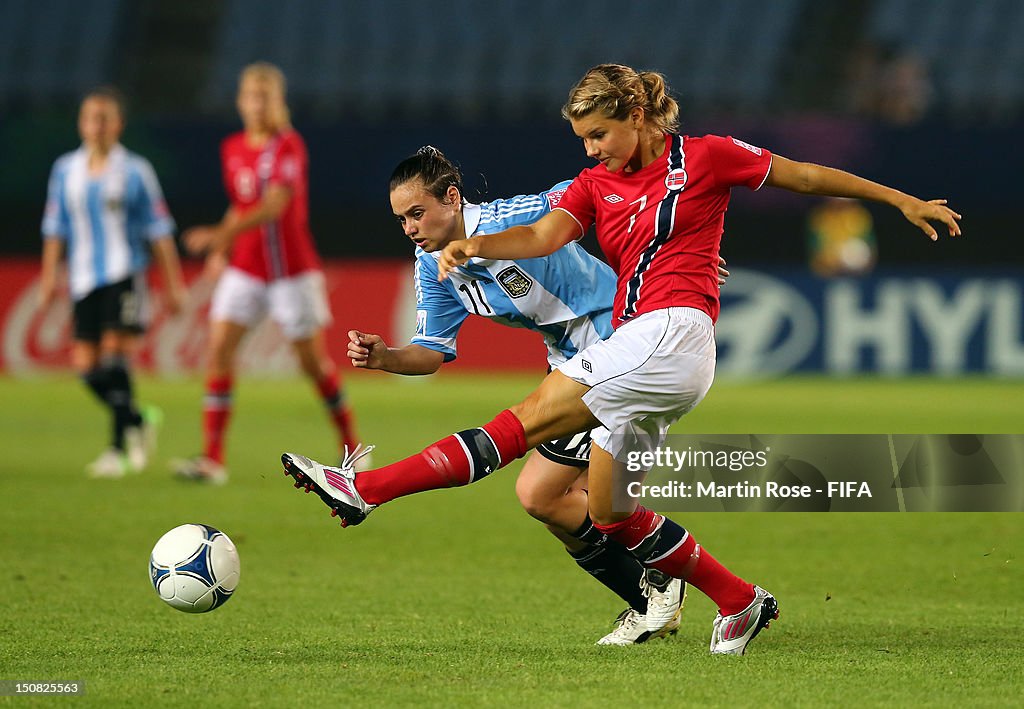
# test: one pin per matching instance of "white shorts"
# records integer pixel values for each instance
(297, 304)
(645, 377)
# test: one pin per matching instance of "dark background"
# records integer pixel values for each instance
(926, 96)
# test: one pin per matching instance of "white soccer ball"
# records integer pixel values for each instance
(194, 568)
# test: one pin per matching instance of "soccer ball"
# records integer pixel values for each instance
(194, 568)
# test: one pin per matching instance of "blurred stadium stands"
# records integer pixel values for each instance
(517, 53)
(974, 49)
(349, 57)
(924, 94)
(54, 49)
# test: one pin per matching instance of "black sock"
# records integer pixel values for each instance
(120, 399)
(610, 563)
(98, 383)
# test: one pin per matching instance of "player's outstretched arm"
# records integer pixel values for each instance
(809, 178)
(369, 351)
(208, 238)
(211, 238)
(545, 236)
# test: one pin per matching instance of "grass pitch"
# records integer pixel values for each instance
(457, 598)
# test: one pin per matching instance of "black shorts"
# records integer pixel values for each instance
(572, 450)
(120, 307)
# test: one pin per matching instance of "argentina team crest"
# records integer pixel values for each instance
(675, 180)
(514, 282)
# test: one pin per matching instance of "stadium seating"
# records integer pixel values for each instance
(515, 57)
(973, 49)
(56, 48)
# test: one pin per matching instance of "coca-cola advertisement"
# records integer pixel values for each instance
(373, 296)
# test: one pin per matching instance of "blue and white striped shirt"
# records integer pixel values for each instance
(108, 220)
(566, 296)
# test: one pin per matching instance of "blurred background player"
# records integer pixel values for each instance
(566, 297)
(841, 238)
(105, 210)
(263, 253)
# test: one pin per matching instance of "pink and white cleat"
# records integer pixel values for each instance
(731, 634)
(335, 486)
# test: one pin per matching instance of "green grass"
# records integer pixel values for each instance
(457, 598)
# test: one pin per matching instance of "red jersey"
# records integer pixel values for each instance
(660, 227)
(283, 247)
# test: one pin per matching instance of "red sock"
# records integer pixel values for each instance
(333, 396)
(459, 459)
(730, 592)
(216, 413)
(669, 548)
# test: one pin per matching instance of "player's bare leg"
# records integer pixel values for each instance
(554, 409)
(555, 495)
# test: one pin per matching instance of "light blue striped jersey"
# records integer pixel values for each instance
(566, 296)
(107, 220)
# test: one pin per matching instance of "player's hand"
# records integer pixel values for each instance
(722, 273)
(366, 350)
(215, 264)
(174, 299)
(921, 214)
(200, 239)
(454, 255)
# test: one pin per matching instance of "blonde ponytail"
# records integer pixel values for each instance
(614, 90)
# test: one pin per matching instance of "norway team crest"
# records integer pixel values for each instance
(514, 282)
(675, 180)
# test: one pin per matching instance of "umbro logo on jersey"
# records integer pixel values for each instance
(587, 366)
(614, 199)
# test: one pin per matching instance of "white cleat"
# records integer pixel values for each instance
(665, 599)
(111, 464)
(631, 629)
(335, 486)
(200, 469)
(731, 634)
